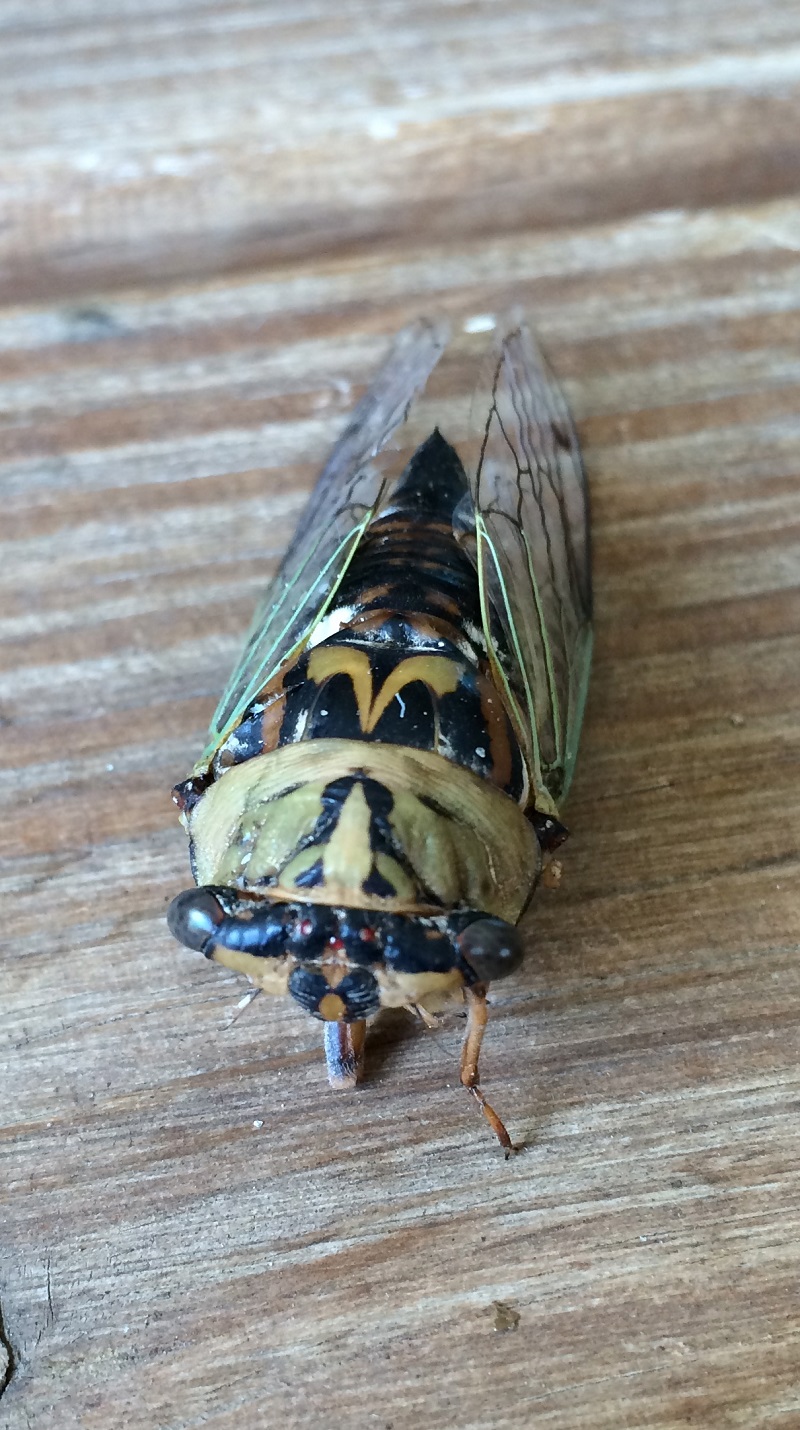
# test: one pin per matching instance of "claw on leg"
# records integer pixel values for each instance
(344, 1052)
(429, 1019)
(477, 1018)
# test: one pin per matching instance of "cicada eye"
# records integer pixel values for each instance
(193, 918)
(492, 948)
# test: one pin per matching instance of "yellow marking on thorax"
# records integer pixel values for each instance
(470, 842)
(438, 672)
(347, 856)
(327, 661)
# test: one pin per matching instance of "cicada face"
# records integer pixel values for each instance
(343, 964)
(386, 766)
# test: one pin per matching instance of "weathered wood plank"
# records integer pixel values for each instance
(214, 218)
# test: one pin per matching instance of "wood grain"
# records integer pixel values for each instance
(214, 217)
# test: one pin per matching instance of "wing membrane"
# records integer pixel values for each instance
(348, 492)
(533, 556)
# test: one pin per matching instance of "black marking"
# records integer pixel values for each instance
(360, 993)
(189, 792)
(384, 841)
(311, 877)
(377, 885)
(550, 832)
(360, 930)
(410, 719)
(325, 711)
(308, 987)
(243, 743)
(433, 804)
(313, 927)
(434, 482)
(412, 947)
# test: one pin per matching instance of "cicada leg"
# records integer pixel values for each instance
(344, 1052)
(477, 1018)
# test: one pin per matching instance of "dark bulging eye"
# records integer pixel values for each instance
(194, 918)
(204, 918)
(492, 948)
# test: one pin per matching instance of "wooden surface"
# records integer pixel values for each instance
(213, 216)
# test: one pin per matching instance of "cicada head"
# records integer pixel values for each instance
(343, 964)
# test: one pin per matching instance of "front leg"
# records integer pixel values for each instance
(477, 1018)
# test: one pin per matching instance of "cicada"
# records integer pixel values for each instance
(386, 769)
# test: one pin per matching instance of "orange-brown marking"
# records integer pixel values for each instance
(331, 1007)
(271, 722)
(495, 719)
(334, 964)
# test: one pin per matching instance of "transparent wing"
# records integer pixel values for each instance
(350, 489)
(533, 556)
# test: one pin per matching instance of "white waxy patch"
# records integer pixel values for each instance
(330, 625)
(401, 702)
(444, 747)
(300, 727)
(480, 752)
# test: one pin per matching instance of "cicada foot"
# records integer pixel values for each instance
(429, 1019)
(477, 1018)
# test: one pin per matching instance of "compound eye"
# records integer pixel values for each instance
(193, 918)
(492, 948)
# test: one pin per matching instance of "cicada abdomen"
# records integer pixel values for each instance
(389, 759)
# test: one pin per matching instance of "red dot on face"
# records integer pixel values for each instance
(305, 928)
(336, 943)
(367, 935)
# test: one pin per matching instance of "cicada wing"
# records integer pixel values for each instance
(350, 489)
(533, 556)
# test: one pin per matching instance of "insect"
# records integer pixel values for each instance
(386, 768)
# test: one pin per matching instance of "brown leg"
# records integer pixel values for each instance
(344, 1052)
(477, 1018)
